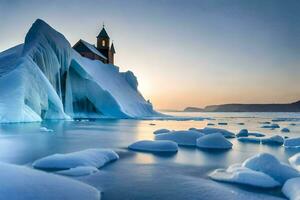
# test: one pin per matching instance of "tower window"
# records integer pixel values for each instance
(103, 43)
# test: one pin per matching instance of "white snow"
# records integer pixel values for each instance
(22, 183)
(271, 166)
(213, 141)
(242, 175)
(78, 171)
(184, 138)
(292, 142)
(159, 131)
(46, 79)
(274, 140)
(291, 189)
(209, 130)
(45, 129)
(89, 157)
(154, 146)
(295, 161)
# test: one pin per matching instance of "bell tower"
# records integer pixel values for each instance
(103, 42)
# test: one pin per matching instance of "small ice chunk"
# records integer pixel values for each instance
(79, 171)
(292, 142)
(291, 189)
(242, 175)
(256, 134)
(293, 124)
(242, 133)
(44, 129)
(272, 126)
(154, 146)
(274, 140)
(285, 130)
(159, 131)
(295, 161)
(223, 123)
(241, 123)
(271, 166)
(89, 157)
(209, 130)
(19, 182)
(184, 138)
(249, 139)
(213, 141)
(210, 124)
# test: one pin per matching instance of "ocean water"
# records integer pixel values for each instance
(140, 175)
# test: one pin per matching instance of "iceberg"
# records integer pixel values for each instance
(44, 78)
(213, 141)
(154, 146)
(79, 171)
(291, 189)
(295, 161)
(184, 138)
(242, 175)
(271, 166)
(22, 183)
(209, 130)
(274, 140)
(89, 157)
(285, 130)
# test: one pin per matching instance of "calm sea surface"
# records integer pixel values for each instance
(144, 175)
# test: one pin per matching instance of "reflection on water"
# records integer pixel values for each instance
(24, 143)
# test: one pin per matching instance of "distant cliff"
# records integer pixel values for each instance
(292, 107)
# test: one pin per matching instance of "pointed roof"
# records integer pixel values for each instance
(103, 34)
(112, 48)
(92, 48)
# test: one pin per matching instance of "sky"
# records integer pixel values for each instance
(184, 53)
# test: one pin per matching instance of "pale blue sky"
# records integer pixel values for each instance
(184, 53)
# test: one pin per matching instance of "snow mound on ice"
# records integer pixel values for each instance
(159, 131)
(209, 130)
(242, 175)
(274, 140)
(292, 142)
(18, 182)
(79, 171)
(184, 138)
(271, 166)
(295, 161)
(89, 157)
(46, 79)
(213, 141)
(291, 189)
(154, 146)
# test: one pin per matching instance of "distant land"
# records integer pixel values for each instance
(290, 107)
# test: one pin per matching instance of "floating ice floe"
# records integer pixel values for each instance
(271, 166)
(159, 131)
(44, 129)
(292, 142)
(293, 124)
(256, 134)
(213, 141)
(265, 122)
(242, 133)
(291, 189)
(89, 157)
(79, 171)
(271, 126)
(287, 119)
(241, 123)
(154, 146)
(242, 175)
(273, 140)
(295, 161)
(184, 138)
(209, 130)
(249, 139)
(222, 123)
(285, 130)
(22, 183)
(210, 124)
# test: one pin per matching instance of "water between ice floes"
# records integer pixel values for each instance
(144, 175)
